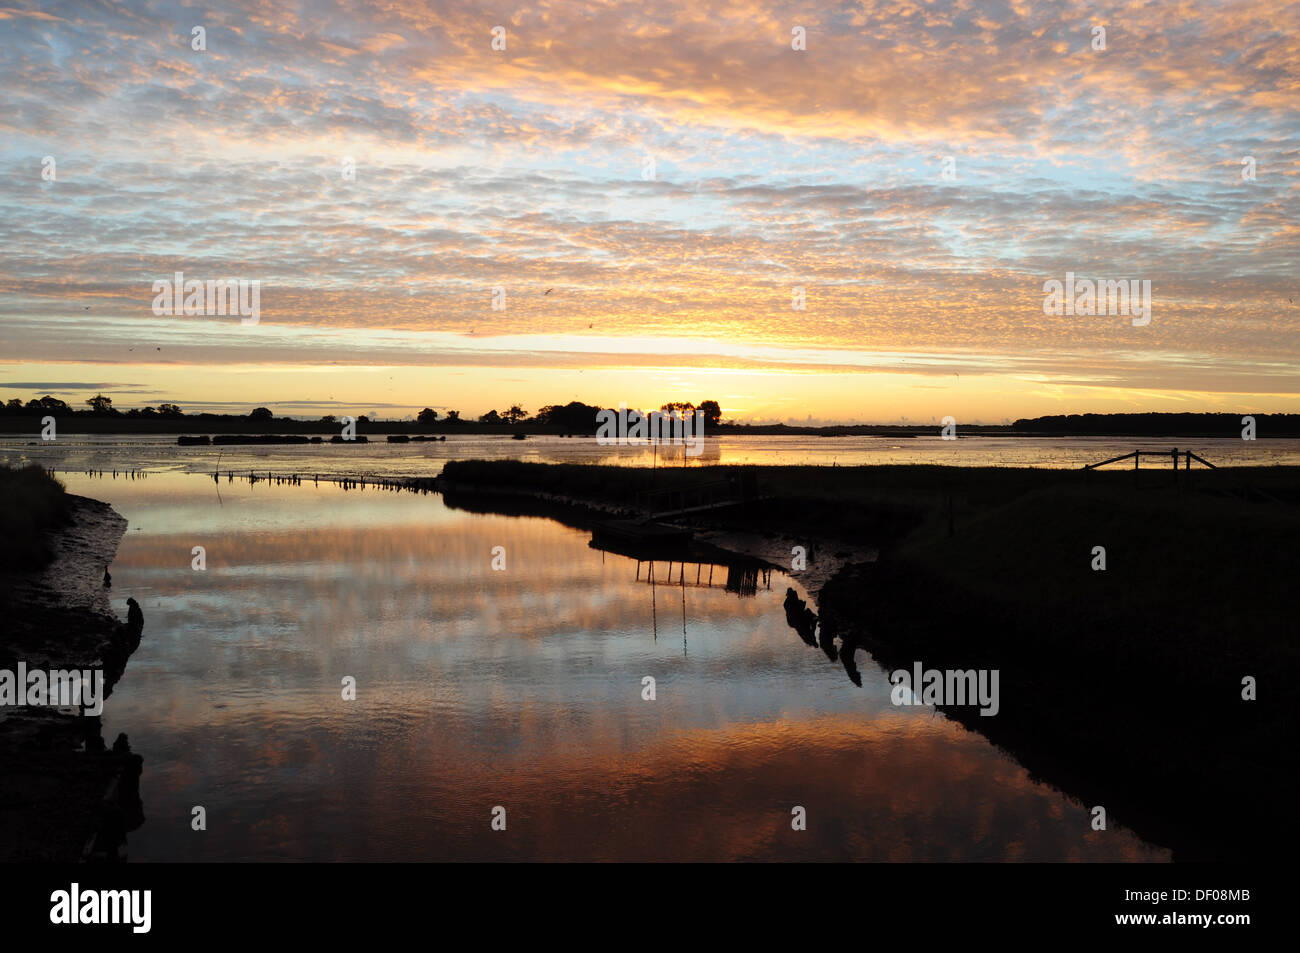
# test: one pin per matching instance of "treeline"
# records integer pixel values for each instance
(1162, 425)
(573, 417)
(97, 406)
(576, 417)
(101, 407)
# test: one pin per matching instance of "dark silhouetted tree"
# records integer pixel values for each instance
(48, 405)
(574, 416)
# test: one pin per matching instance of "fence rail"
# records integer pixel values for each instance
(1174, 454)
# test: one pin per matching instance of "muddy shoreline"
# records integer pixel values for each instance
(66, 795)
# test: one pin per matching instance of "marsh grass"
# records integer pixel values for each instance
(32, 503)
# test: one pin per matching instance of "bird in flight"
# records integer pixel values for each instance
(547, 291)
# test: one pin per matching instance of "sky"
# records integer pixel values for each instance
(644, 190)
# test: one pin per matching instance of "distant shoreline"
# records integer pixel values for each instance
(1269, 427)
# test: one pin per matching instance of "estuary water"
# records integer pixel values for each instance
(520, 688)
(379, 459)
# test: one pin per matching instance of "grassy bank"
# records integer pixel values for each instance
(32, 504)
(882, 504)
(837, 502)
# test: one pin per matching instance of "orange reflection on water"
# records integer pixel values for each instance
(520, 688)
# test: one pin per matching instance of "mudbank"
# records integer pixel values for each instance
(65, 794)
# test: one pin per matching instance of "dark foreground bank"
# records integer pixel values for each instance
(65, 794)
(1142, 623)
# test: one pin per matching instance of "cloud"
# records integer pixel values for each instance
(61, 385)
(772, 169)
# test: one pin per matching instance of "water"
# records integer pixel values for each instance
(380, 459)
(519, 688)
